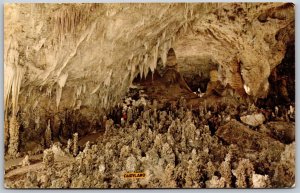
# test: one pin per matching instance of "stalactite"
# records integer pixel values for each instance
(154, 56)
(8, 81)
(164, 51)
(146, 69)
(16, 89)
(62, 80)
(67, 18)
(58, 96)
(141, 70)
(61, 83)
(132, 72)
(145, 63)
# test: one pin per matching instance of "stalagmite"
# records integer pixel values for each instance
(244, 173)
(48, 136)
(25, 161)
(215, 182)
(75, 144)
(260, 181)
(48, 158)
(6, 133)
(69, 144)
(225, 170)
(13, 145)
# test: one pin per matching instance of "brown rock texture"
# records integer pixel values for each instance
(283, 131)
(235, 132)
(254, 120)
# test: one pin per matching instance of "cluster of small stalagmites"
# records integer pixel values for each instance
(48, 158)
(285, 169)
(172, 145)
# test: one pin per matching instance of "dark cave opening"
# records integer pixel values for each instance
(196, 82)
(282, 81)
(199, 78)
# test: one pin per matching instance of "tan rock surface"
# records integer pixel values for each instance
(235, 132)
(254, 120)
(53, 50)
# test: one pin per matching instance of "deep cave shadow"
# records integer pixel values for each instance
(282, 82)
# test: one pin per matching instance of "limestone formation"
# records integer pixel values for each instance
(25, 161)
(75, 144)
(189, 95)
(48, 158)
(236, 133)
(260, 181)
(283, 131)
(254, 119)
(48, 136)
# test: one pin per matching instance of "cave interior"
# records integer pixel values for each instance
(209, 106)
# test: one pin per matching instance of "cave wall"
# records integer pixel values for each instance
(235, 37)
(83, 57)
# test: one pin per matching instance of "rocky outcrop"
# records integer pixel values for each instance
(254, 120)
(283, 131)
(236, 133)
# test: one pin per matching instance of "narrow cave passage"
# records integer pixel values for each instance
(197, 83)
(166, 82)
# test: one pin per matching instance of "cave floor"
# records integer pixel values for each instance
(218, 129)
(164, 118)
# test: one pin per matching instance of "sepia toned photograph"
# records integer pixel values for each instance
(149, 95)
